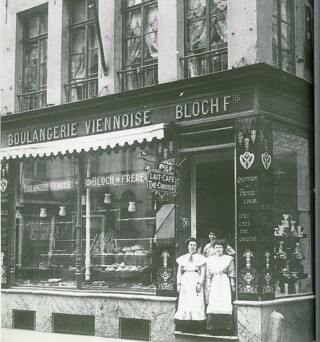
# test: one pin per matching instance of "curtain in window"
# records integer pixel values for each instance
(197, 27)
(218, 22)
(152, 33)
(78, 54)
(199, 17)
(134, 38)
(31, 67)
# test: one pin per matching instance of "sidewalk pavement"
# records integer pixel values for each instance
(20, 335)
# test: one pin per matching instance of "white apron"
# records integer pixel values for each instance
(220, 299)
(191, 305)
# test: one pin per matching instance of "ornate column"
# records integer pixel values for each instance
(254, 190)
(5, 222)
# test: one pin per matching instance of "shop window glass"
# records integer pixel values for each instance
(83, 70)
(34, 61)
(140, 68)
(119, 221)
(206, 37)
(283, 35)
(292, 214)
(45, 230)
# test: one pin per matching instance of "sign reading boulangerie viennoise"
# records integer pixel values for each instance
(196, 108)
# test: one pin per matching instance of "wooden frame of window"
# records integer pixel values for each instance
(211, 56)
(144, 71)
(35, 95)
(84, 85)
(283, 43)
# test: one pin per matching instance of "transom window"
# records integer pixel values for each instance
(83, 69)
(283, 35)
(140, 48)
(35, 38)
(205, 37)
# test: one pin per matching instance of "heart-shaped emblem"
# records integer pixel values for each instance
(4, 184)
(266, 160)
(246, 159)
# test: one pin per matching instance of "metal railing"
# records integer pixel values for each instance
(81, 90)
(204, 63)
(138, 77)
(32, 100)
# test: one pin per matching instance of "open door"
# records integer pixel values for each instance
(213, 195)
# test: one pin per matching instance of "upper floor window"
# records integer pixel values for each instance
(205, 37)
(308, 39)
(140, 58)
(283, 35)
(83, 67)
(35, 39)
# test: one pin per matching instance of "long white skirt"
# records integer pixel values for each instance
(220, 300)
(191, 305)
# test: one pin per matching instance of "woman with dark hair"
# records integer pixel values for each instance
(191, 273)
(209, 250)
(220, 285)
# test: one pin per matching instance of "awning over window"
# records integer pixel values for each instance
(165, 223)
(86, 143)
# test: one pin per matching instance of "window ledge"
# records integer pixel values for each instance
(89, 294)
(282, 300)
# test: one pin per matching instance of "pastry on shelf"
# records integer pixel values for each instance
(136, 247)
(117, 250)
(140, 252)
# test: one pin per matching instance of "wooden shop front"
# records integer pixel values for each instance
(98, 198)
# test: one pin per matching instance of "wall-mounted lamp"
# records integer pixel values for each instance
(107, 198)
(132, 207)
(62, 211)
(43, 212)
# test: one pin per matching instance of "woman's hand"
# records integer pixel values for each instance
(233, 288)
(198, 287)
(178, 287)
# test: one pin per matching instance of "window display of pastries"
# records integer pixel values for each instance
(122, 267)
(136, 247)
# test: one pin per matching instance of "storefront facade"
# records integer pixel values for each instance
(96, 209)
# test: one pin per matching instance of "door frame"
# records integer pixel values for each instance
(195, 160)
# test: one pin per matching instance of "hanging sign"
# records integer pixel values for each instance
(161, 182)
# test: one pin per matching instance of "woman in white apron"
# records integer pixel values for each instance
(220, 286)
(191, 273)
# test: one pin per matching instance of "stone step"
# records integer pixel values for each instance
(188, 337)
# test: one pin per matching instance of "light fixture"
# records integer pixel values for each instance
(43, 212)
(132, 207)
(83, 199)
(107, 198)
(62, 211)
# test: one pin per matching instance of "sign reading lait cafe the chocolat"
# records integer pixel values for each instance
(195, 108)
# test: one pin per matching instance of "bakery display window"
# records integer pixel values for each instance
(45, 237)
(118, 221)
(292, 214)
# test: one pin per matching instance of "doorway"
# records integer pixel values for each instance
(213, 195)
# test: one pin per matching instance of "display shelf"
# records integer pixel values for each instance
(57, 254)
(288, 257)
